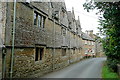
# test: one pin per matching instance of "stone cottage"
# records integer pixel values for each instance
(45, 40)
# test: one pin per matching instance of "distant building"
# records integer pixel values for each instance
(98, 49)
(89, 44)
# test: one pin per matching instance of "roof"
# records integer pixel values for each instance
(87, 37)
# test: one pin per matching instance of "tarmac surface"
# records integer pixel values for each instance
(89, 68)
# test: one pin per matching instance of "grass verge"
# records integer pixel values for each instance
(108, 73)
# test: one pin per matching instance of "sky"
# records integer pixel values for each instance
(89, 21)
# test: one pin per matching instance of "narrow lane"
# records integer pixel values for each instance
(89, 68)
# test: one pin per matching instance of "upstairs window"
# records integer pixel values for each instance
(89, 42)
(85, 42)
(43, 22)
(63, 12)
(39, 20)
(63, 32)
(35, 18)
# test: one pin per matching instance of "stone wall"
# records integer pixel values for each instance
(2, 22)
(2, 31)
(26, 66)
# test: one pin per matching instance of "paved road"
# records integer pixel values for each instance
(89, 68)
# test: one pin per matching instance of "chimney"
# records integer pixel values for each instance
(73, 10)
(91, 31)
(78, 18)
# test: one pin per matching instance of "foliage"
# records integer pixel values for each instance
(110, 27)
(108, 73)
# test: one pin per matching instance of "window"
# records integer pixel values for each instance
(63, 52)
(74, 51)
(79, 50)
(63, 32)
(74, 36)
(86, 50)
(89, 42)
(39, 20)
(56, 15)
(43, 22)
(63, 12)
(93, 51)
(35, 19)
(85, 42)
(39, 54)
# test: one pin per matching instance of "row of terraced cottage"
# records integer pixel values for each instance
(47, 38)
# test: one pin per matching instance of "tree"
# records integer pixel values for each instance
(110, 27)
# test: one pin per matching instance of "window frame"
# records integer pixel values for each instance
(64, 50)
(40, 20)
(39, 52)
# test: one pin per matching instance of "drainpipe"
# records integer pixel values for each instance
(69, 46)
(3, 61)
(13, 39)
(53, 42)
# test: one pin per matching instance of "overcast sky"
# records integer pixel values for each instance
(89, 21)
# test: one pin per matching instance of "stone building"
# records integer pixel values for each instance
(88, 45)
(47, 38)
(98, 49)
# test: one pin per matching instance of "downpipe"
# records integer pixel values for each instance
(13, 41)
(3, 62)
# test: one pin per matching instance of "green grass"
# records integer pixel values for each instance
(108, 73)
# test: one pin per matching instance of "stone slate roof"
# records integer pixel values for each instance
(87, 37)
